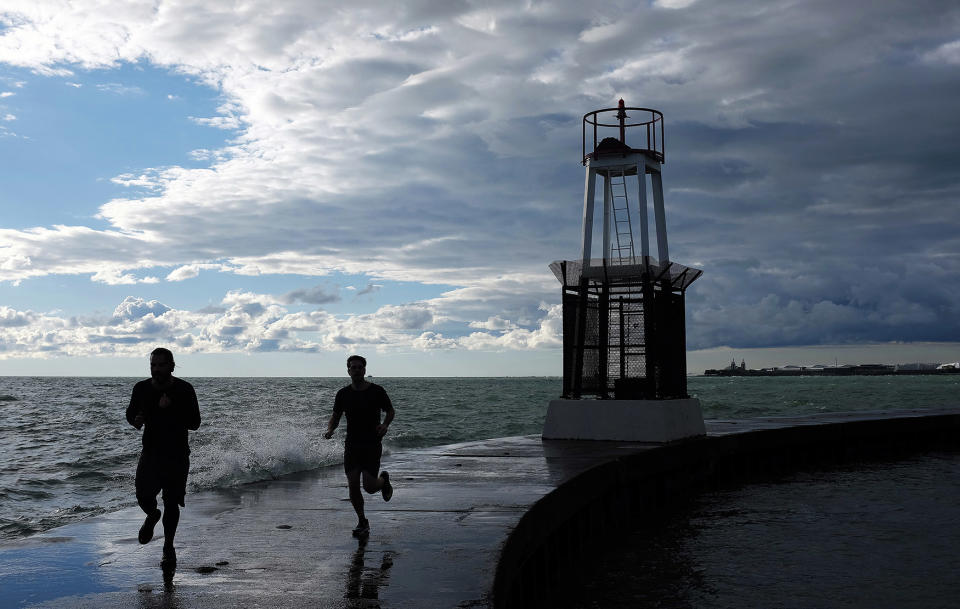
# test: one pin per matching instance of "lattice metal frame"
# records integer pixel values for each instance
(624, 332)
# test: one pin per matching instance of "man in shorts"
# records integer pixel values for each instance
(166, 408)
(362, 402)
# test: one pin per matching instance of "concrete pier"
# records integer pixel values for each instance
(497, 523)
(657, 421)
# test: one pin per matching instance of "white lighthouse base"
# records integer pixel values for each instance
(624, 420)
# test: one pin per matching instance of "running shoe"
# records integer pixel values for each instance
(387, 490)
(146, 531)
(362, 528)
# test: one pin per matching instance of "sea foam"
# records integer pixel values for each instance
(263, 452)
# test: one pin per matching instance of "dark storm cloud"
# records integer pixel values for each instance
(811, 159)
(837, 221)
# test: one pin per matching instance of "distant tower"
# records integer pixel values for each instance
(623, 311)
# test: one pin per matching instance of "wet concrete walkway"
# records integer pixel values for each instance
(287, 543)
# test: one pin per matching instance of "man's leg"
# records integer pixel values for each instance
(356, 497)
(148, 504)
(171, 517)
(147, 486)
(371, 483)
(174, 491)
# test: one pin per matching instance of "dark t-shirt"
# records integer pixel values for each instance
(363, 411)
(165, 429)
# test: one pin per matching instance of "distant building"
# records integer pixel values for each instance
(732, 370)
(842, 370)
(916, 366)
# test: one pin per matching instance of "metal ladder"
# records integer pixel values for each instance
(622, 251)
(628, 321)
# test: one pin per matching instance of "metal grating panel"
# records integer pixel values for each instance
(624, 338)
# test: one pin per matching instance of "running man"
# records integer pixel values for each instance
(166, 408)
(362, 402)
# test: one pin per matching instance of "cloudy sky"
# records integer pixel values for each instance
(268, 186)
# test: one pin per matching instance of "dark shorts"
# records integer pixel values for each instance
(364, 456)
(167, 474)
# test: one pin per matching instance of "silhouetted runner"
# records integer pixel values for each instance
(362, 402)
(166, 407)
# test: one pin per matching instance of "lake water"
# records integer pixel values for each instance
(877, 535)
(67, 452)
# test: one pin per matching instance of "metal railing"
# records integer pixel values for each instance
(645, 126)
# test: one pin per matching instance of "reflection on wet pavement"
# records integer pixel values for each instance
(364, 583)
(167, 599)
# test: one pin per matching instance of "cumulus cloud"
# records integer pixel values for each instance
(549, 334)
(187, 271)
(493, 323)
(440, 145)
(433, 340)
(248, 322)
(11, 318)
(15, 262)
(134, 307)
(406, 317)
(502, 334)
(250, 303)
(116, 277)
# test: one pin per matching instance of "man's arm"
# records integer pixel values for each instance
(333, 423)
(134, 412)
(335, 417)
(192, 419)
(382, 427)
(386, 406)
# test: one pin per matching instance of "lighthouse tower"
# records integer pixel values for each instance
(624, 338)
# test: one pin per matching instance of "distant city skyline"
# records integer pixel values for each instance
(517, 363)
(267, 188)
